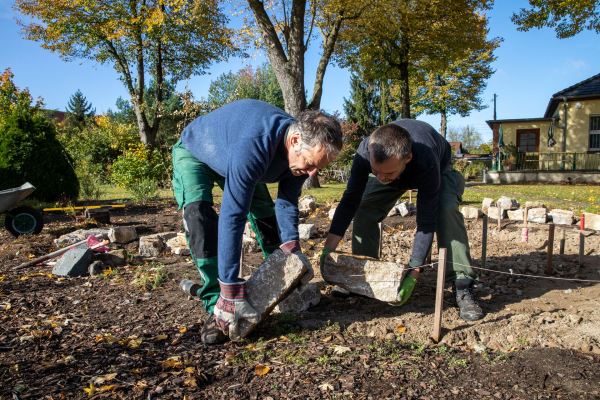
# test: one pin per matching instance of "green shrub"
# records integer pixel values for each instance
(30, 152)
(141, 163)
(144, 190)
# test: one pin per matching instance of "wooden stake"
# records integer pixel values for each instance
(550, 249)
(524, 230)
(499, 217)
(380, 238)
(410, 196)
(562, 242)
(484, 241)
(581, 240)
(439, 296)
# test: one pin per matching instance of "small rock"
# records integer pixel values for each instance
(339, 291)
(151, 246)
(519, 292)
(390, 336)
(486, 204)
(511, 339)
(307, 204)
(405, 208)
(178, 245)
(122, 234)
(575, 318)
(307, 231)
(96, 268)
(586, 348)
(479, 348)
(532, 268)
(568, 291)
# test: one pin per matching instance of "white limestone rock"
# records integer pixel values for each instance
(307, 231)
(562, 217)
(471, 212)
(486, 204)
(539, 215)
(307, 204)
(534, 204)
(151, 246)
(592, 221)
(406, 208)
(493, 212)
(81, 234)
(507, 203)
(178, 245)
(515, 215)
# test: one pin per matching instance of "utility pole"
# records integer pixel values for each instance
(495, 106)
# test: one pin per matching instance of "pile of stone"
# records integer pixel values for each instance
(508, 207)
(403, 208)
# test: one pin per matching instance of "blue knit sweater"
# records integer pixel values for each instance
(244, 142)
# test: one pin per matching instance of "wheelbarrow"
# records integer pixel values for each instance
(20, 220)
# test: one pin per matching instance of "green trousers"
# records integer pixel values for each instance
(378, 200)
(193, 183)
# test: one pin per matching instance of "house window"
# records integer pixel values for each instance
(528, 140)
(595, 132)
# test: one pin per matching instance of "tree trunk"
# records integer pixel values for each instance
(312, 183)
(443, 124)
(404, 84)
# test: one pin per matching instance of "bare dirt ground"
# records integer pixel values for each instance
(540, 337)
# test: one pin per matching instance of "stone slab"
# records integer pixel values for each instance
(300, 300)
(515, 215)
(507, 203)
(539, 215)
(81, 234)
(307, 231)
(74, 262)
(486, 203)
(331, 213)
(471, 212)
(272, 282)
(364, 275)
(562, 217)
(494, 211)
(534, 204)
(122, 234)
(592, 221)
(405, 208)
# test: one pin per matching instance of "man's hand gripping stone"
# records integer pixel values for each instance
(232, 307)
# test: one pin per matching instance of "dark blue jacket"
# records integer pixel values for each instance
(244, 142)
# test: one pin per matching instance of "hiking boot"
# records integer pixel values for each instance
(468, 308)
(211, 333)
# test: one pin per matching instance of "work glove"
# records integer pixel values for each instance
(406, 288)
(231, 307)
(324, 252)
(293, 247)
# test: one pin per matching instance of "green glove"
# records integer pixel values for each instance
(406, 288)
(324, 252)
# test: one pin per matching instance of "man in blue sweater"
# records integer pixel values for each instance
(241, 147)
(403, 155)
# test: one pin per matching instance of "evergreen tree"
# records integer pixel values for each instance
(79, 107)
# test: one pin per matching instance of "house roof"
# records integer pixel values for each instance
(456, 146)
(493, 121)
(586, 88)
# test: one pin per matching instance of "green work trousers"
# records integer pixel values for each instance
(378, 200)
(193, 183)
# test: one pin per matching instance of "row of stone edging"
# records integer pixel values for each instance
(508, 207)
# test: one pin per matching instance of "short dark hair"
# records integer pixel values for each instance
(319, 129)
(388, 141)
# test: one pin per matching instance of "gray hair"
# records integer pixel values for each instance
(390, 141)
(319, 130)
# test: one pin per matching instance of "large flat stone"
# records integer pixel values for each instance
(539, 215)
(272, 282)
(122, 234)
(486, 204)
(592, 221)
(300, 300)
(74, 262)
(471, 212)
(562, 217)
(515, 215)
(493, 212)
(364, 275)
(307, 231)
(507, 203)
(151, 246)
(534, 204)
(81, 234)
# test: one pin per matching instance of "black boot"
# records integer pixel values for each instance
(211, 333)
(468, 308)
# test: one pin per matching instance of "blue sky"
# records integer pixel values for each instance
(531, 66)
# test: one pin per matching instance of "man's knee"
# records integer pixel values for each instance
(201, 225)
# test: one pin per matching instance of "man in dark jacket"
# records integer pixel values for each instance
(403, 155)
(241, 147)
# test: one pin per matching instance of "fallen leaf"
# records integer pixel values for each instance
(104, 378)
(190, 382)
(111, 388)
(190, 370)
(327, 339)
(31, 256)
(230, 356)
(401, 328)
(172, 362)
(182, 329)
(88, 284)
(161, 337)
(261, 370)
(135, 343)
(285, 339)
(341, 350)
(325, 387)
(91, 390)
(14, 368)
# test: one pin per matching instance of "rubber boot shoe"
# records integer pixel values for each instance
(211, 333)
(468, 309)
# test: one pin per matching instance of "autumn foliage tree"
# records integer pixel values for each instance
(395, 38)
(165, 39)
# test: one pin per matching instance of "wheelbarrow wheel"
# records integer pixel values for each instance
(24, 220)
